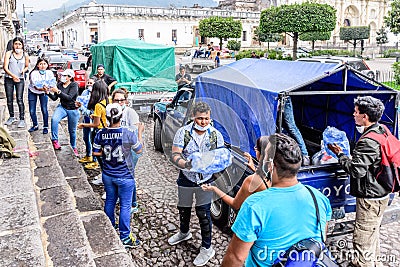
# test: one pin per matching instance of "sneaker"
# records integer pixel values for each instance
(98, 180)
(116, 227)
(76, 152)
(130, 241)
(56, 145)
(92, 166)
(134, 209)
(179, 237)
(104, 196)
(33, 128)
(21, 124)
(86, 159)
(10, 121)
(45, 130)
(204, 256)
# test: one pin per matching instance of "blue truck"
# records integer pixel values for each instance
(245, 97)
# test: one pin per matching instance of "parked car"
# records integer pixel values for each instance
(356, 63)
(53, 47)
(86, 49)
(47, 54)
(79, 68)
(56, 62)
(70, 52)
(231, 91)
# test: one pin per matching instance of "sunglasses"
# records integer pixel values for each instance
(119, 100)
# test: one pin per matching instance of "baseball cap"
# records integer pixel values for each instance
(68, 72)
(100, 66)
(111, 107)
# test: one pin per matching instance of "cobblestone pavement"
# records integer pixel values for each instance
(158, 218)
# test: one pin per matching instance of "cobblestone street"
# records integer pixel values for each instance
(158, 218)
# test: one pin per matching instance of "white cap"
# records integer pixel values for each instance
(113, 106)
(68, 72)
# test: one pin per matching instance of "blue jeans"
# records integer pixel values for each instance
(290, 125)
(73, 118)
(119, 187)
(87, 137)
(32, 99)
(9, 85)
(186, 189)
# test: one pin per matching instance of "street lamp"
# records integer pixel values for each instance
(24, 22)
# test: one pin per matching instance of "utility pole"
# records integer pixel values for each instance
(24, 22)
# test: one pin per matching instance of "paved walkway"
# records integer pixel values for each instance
(49, 215)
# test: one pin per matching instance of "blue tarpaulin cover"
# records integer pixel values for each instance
(244, 97)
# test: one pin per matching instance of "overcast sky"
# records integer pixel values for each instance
(39, 5)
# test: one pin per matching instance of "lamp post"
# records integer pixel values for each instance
(24, 29)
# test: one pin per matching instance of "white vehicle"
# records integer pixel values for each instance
(198, 65)
(53, 47)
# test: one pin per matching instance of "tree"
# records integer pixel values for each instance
(298, 18)
(353, 34)
(392, 20)
(381, 38)
(234, 45)
(220, 28)
(315, 36)
(260, 36)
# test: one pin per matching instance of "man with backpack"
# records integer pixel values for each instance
(363, 168)
(271, 221)
(197, 136)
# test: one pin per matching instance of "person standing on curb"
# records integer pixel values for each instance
(217, 60)
(16, 63)
(39, 77)
(371, 197)
(203, 138)
(67, 92)
(113, 144)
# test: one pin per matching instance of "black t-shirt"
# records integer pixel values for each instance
(106, 78)
(186, 76)
(67, 96)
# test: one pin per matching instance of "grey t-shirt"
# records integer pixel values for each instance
(129, 117)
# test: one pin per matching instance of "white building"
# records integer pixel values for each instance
(157, 25)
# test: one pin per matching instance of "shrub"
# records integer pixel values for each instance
(396, 70)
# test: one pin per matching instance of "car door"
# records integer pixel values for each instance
(175, 117)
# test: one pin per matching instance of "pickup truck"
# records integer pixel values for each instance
(244, 99)
(201, 64)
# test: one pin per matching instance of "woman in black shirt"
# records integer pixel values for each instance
(67, 92)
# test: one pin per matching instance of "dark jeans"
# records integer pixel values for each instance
(186, 189)
(99, 159)
(9, 86)
(32, 99)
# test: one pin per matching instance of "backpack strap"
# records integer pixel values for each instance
(316, 211)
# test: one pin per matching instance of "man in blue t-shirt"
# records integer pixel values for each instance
(271, 221)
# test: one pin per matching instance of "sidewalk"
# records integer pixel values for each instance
(49, 214)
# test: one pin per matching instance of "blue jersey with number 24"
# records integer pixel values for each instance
(116, 144)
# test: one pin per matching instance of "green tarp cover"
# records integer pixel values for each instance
(129, 60)
(150, 85)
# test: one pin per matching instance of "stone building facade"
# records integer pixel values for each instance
(9, 23)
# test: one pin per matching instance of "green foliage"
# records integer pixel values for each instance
(305, 17)
(381, 36)
(396, 70)
(393, 84)
(260, 36)
(220, 27)
(331, 52)
(234, 45)
(315, 36)
(272, 54)
(392, 20)
(390, 53)
(354, 33)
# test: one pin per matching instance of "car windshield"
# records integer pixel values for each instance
(59, 59)
(76, 65)
(69, 51)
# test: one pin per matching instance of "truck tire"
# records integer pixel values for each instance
(371, 74)
(204, 69)
(220, 211)
(157, 135)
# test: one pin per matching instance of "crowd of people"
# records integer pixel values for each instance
(113, 137)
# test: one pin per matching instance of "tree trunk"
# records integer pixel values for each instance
(295, 40)
(220, 44)
(312, 45)
(354, 47)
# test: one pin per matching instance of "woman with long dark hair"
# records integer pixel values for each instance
(251, 184)
(39, 78)
(16, 63)
(67, 92)
(97, 102)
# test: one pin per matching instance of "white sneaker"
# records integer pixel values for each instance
(179, 237)
(97, 180)
(204, 256)
(104, 196)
